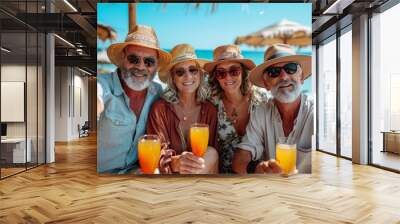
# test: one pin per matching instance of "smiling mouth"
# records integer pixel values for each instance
(139, 75)
(286, 86)
(229, 83)
(188, 83)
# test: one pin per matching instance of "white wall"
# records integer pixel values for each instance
(80, 84)
(69, 82)
(61, 103)
(33, 127)
(13, 73)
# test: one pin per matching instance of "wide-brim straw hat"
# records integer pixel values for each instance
(143, 36)
(280, 53)
(180, 53)
(228, 53)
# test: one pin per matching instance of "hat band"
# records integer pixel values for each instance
(278, 55)
(229, 55)
(184, 57)
(142, 39)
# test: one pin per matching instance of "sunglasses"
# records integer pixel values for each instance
(181, 71)
(290, 69)
(135, 60)
(233, 72)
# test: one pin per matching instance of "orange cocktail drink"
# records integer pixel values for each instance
(286, 157)
(199, 139)
(149, 150)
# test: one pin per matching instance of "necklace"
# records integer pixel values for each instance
(186, 114)
(234, 114)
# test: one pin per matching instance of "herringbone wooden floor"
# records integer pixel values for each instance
(70, 191)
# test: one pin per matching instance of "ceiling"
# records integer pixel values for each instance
(330, 15)
(72, 20)
(75, 21)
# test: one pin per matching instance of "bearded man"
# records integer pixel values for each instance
(125, 97)
(287, 115)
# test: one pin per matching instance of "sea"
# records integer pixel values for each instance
(256, 56)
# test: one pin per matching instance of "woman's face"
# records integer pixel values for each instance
(186, 76)
(229, 76)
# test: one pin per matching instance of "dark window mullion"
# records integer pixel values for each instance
(26, 87)
(317, 96)
(37, 90)
(369, 79)
(338, 97)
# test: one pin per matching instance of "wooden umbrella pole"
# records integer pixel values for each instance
(132, 16)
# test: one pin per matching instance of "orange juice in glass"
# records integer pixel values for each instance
(199, 139)
(149, 150)
(286, 157)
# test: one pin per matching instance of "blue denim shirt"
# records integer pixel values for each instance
(118, 128)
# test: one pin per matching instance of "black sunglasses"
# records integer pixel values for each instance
(233, 72)
(135, 60)
(290, 68)
(181, 71)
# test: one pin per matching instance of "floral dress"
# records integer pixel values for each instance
(227, 135)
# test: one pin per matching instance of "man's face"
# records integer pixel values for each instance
(140, 65)
(284, 80)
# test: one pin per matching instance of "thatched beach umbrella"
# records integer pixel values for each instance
(102, 58)
(285, 31)
(106, 33)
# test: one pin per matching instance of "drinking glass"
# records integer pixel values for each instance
(149, 150)
(199, 139)
(286, 156)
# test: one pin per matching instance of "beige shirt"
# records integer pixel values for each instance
(265, 128)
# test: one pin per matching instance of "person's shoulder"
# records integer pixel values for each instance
(160, 109)
(263, 108)
(160, 105)
(210, 106)
(259, 95)
(215, 100)
(308, 101)
(267, 103)
(104, 77)
(155, 88)
(106, 81)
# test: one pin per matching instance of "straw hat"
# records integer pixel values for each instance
(180, 53)
(229, 53)
(143, 36)
(280, 53)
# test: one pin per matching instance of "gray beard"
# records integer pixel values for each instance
(286, 96)
(130, 80)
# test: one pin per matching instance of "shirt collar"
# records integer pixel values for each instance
(118, 90)
(303, 98)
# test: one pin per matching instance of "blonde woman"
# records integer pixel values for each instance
(183, 104)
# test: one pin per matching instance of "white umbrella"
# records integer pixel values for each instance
(102, 58)
(285, 31)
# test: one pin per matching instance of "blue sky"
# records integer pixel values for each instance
(181, 23)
